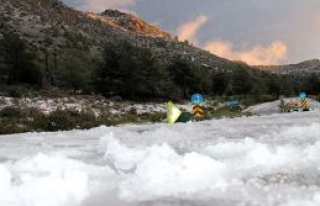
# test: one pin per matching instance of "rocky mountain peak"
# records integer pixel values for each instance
(133, 23)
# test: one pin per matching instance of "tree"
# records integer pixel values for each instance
(17, 63)
(75, 69)
(313, 85)
(241, 81)
(130, 72)
(107, 74)
(287, 85)
(183, 75)
(220, 82)
(151, 77)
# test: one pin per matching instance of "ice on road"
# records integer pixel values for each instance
(260, 160)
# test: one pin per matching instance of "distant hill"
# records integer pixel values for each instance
(301, 69)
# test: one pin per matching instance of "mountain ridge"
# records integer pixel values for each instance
(109, 52)
(304, 68)
(50, 26)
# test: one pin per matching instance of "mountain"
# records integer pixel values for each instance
(301, 69)
(107, 53)
(129, 22)
(50, 26)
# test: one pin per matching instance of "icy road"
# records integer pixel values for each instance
(261, 160)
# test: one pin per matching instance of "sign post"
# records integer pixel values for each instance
(197, 110)
(303, 101)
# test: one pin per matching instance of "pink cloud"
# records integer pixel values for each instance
(189, 30)
(257, 55)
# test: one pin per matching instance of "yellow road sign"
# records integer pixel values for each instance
(197, 111)
(304, 103)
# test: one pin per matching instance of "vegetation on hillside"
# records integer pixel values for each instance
(137, 74)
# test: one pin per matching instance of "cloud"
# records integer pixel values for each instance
(257, 55)
(101, 5)
(189, 30)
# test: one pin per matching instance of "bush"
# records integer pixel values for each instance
(17, 120)
(39, 122)
(12, 112)
(68, 119)
(16, 91)
(86, 120)
(105, 118)
(155, 117)
(61, 120)
(223, 112)
(11, 127)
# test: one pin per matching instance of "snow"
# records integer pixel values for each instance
(265, 160)
(273, 107)
(80, 103)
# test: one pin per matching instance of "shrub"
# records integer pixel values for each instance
(223, 112)
(16, 120)
(68, 119)
(133, 111)
(11, 127)
(16, 91)
(61, 120)
(12, 112)
(105, 118)
(39, 122)
(155, 116)
(86, 120)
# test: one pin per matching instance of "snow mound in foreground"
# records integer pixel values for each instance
(266, 160)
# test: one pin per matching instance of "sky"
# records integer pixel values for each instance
(254, 31)
(254, 161)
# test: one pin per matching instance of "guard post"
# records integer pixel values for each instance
(303, 101)
(197, 109)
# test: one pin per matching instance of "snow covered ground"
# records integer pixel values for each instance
(80, 103)
(249, 161)
(273, 107)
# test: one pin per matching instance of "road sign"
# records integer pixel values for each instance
(173, 113)
(302, 95)
(197, 112)
(304, 105)
(197, 99)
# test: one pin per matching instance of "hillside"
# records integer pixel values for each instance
(301, 69)
(51, 26)
(115, 54)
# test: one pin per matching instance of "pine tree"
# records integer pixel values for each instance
(17, 63)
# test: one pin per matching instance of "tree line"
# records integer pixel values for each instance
(137, 73)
